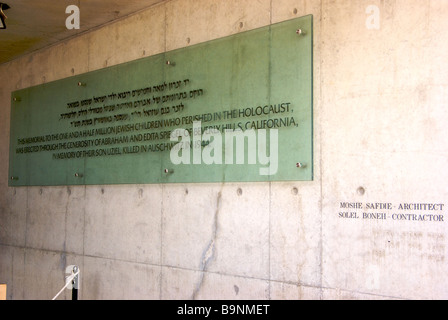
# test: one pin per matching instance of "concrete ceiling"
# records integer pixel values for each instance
(34, 24)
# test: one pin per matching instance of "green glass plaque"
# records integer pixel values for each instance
(233, 109)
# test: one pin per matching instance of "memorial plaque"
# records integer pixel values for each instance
(232, 109)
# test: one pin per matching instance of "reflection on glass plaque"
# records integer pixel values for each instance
(233, 109)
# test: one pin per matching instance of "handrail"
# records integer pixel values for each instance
(73, 277)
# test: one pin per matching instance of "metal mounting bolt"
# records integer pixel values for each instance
(300, 32)
(300, 165)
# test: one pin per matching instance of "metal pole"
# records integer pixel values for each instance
(74, 293)
(75, 283)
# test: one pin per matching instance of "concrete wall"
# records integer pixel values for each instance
(380, 98)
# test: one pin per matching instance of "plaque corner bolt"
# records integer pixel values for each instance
(167, 171)
(17, 99)
(79, 175)
(300, 32)
(81, 84)
(300, 165)
(170, 63)
(14, 178)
